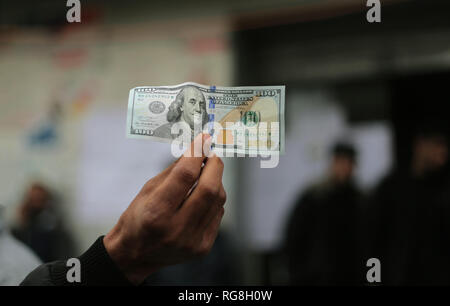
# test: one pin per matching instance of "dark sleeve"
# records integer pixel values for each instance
(97, 269)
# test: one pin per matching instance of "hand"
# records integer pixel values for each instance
(175, 217)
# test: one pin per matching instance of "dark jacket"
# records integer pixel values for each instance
(97, 269)
(322, 237)
(409, 228)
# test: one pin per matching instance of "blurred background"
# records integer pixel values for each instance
(365, 172)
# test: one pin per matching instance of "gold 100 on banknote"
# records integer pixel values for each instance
(242, 120)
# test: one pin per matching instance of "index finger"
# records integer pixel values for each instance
(208, 192)
(185, 172)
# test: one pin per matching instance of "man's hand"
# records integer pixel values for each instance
(175, 217)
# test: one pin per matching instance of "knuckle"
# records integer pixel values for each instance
(210, 192)
(155, 223)
(185, 174)
(222, 196)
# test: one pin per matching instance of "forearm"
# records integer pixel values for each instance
(96, 269)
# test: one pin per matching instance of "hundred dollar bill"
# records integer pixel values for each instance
(242, 120)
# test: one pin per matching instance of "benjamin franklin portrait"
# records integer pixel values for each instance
(189, 106)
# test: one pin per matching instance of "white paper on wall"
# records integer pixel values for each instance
(112, 167)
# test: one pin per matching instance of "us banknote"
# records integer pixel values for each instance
(242, 120)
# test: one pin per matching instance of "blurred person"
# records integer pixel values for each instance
(430, 153)
(174, 218)
(409, 215)
(16, 260)
(189, 107)
(322, 242)
(40, 225)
